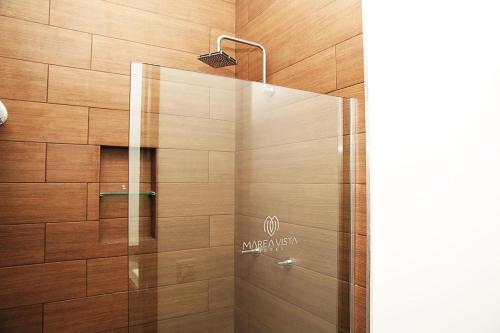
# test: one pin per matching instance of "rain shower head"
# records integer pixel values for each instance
(218, 59)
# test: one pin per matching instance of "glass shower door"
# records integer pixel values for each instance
(239, 206)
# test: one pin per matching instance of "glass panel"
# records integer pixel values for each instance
(245, 221)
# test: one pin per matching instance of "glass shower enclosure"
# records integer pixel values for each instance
(239, 206)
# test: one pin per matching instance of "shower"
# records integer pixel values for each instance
(220, 58)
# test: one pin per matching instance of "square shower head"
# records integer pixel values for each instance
(218, 59)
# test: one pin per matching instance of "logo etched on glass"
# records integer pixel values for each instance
(271, 225)
(273, 243)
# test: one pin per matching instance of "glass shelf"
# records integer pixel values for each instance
(102, 194)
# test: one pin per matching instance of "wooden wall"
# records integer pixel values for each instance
(316, 46)
(64, 66)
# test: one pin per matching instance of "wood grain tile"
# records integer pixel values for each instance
(316, 73)
(62, 123)
(179, 233)
(100, 123)
(359, 310)
(114, 165)
(344, 307)
(23, 80)
(345, 256)
(89, 314)
(222, 104)
(309, 250)
(35, 202)
(220, 321)
(31, 10)
(26, 319)
(221, 167)
(277, 19)
(333, 23)
(356, 91)
(22, 244)
(88, 88)
(72, 163)
(196, 133)
(182, 166)
(246, 324)
(93, 201)
(360, 210)
(360, 260)
(151, 126)
(43, 43)
(113, 233)
(277, 314)
(81, 240)
(166, 302)
(195, 199)
(176, 98)
(33, 284)
(256, 7)
(22, 162)
(360, 159)
(221, 293)
(172, 234)
(314, 205)
(346, 153)
(311, 162)
(213, 13)
(350, 62)
(242, 66)
(312, 291)
(114, 55)
(167, 268)
(107, 275)
(221, 230)
(301, 116)
(108, 19)
(241, 14)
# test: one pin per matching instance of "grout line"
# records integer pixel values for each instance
(91, 50)
(88, 125)
(290, 302)
(73, 67)
(47, 91)
(45, 243)
(50, 9)
(127, 40)
(164, 14)
(46, 161)
(86, 277)
(43, 317)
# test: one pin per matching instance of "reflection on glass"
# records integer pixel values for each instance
(238, 168)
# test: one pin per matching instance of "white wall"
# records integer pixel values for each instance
(433, 108)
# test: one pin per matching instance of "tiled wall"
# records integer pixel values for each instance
(64, 66)
(316, 46)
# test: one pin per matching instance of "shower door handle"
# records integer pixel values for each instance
(287, 263)
(255, 251)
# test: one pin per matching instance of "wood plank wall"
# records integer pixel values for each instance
(64, 66)
(317, 46)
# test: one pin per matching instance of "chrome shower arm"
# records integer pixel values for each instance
(247, 42)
